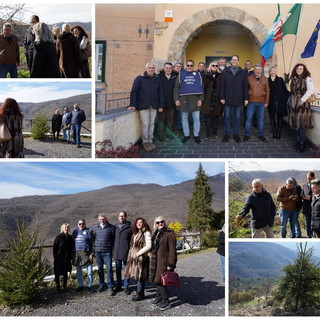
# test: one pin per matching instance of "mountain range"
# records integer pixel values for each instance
(144, 200)
(261, 259)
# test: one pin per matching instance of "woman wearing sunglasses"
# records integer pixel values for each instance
(163, 259)
(211, 105)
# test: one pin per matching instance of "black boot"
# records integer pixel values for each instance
(302, 147)
(138, 297)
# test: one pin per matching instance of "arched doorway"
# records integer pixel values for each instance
(214, 19)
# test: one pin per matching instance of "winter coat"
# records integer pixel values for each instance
(70, 61)
(45, 61)
(189, 103)
(62, 253)
(77, 117)
(221, 243)
(147, 92)
(234, 88)
(138, 267)
(10, 48)
(258, 89)
(306, 204)
(278, 97)
(14, 147)
(262, 209)
(103, 239)
(164, 253)
(122, 241)
(300, 115)
(168, 87)
(212, 95)
(283, 195)
(56, 122)
(315, 215)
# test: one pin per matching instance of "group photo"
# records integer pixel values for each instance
(106, 241)
(38, 41)
(212, 83)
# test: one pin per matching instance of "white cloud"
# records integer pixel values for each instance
(10, 190)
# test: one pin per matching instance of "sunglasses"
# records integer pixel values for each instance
(81, 223)
(189, 65)
(158, 222)
(215, 65)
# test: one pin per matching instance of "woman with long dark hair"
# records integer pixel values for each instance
(302, 88)
(163, 259)
(12, 116)
(83, 40)
(277, 107)
(138, 259)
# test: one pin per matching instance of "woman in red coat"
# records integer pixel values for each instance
(163, 259)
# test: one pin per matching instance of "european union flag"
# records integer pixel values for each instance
(312, 43)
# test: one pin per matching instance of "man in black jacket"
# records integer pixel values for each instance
(306, 195)
(147, 97)
(233, 94)
(123, 235)
(315, 207)
(263, 210)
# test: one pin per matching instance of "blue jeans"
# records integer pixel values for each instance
(105, 258)
(66, 134)
(301, 133)
(307, 220)
(255, 108)
(286, 215)
(140, 286)
(8, 68)
(196, 123)
(222, 258)
(227, 117)
(89, 273)
(118, 273)
(295, 229)
(76, 132)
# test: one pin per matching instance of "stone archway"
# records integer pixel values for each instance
(200, 20)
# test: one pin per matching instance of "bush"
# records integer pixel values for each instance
(40, 127)
(209, 239)
(22, 268)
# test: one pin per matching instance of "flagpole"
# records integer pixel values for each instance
(294, 46)
(284, 61)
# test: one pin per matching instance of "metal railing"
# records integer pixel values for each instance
(106, 102)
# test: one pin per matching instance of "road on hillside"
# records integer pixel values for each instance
(202, 293)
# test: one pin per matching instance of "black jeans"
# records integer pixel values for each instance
(162, 291)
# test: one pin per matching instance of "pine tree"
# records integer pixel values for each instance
(200, 212)
(40, 126)
(299, 287)
(22, 268)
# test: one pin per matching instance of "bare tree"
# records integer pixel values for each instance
(9, 12)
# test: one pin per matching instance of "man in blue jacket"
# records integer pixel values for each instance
(123, 235)
(77, 118)
(147, 97)
(263, 210)
(233, 94)
(103, 241)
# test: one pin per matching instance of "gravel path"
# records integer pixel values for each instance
(50, 148)
(201, 294)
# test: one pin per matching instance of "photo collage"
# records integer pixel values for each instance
(159, 159)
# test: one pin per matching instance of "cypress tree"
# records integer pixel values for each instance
(200, 212)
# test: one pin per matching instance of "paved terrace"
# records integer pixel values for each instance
(254, 148)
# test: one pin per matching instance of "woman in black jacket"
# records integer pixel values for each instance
(277, 107)
(62, 254)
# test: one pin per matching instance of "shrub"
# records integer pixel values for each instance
(209, 239)
(105, 149)
(22, 267)
(40, 127)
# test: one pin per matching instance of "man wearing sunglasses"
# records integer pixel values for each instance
(188, 96)
(83, 254)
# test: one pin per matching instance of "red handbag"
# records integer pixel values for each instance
(170, 279)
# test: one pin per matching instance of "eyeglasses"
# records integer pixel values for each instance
(215, 65)
(158, 222)
(189, 65)
(81, 224)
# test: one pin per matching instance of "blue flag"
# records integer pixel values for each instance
(312, 43)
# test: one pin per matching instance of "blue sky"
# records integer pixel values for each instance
(293, 246)
(41, 91)
(47, 178)
(58, 12)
